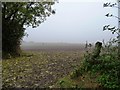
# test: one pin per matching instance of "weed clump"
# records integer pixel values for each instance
(105, 61)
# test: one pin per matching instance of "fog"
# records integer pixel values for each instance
(74, 22)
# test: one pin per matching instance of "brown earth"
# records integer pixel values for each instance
(41, 67)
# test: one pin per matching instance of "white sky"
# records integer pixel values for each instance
(87, 0)
(74, 22)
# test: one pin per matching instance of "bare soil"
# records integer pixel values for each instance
(40, 67)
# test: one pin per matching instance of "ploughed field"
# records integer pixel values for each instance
(41, 65)
(53, 47)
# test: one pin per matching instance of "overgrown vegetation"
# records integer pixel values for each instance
(104, 61)
(107, 65)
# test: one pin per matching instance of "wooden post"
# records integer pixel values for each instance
(95, 53)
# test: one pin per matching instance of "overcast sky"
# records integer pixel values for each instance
(74, 22)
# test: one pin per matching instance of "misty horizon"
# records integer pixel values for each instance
(74, 22)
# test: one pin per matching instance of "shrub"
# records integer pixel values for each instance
(106, 63)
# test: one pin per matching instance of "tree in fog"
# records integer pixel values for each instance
(16, 17)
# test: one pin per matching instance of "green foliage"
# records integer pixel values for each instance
(26, 13)
(108, 67)
(67, 82)
(107, 64)
(75, 73)
(16, 16)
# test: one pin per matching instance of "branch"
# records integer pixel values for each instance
(112, 29)
(117, 7)
(25, 16)
(110, 15)
(117, 17)
(16, 10)
(110, 5)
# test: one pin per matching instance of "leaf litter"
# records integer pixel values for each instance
(42, 69)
